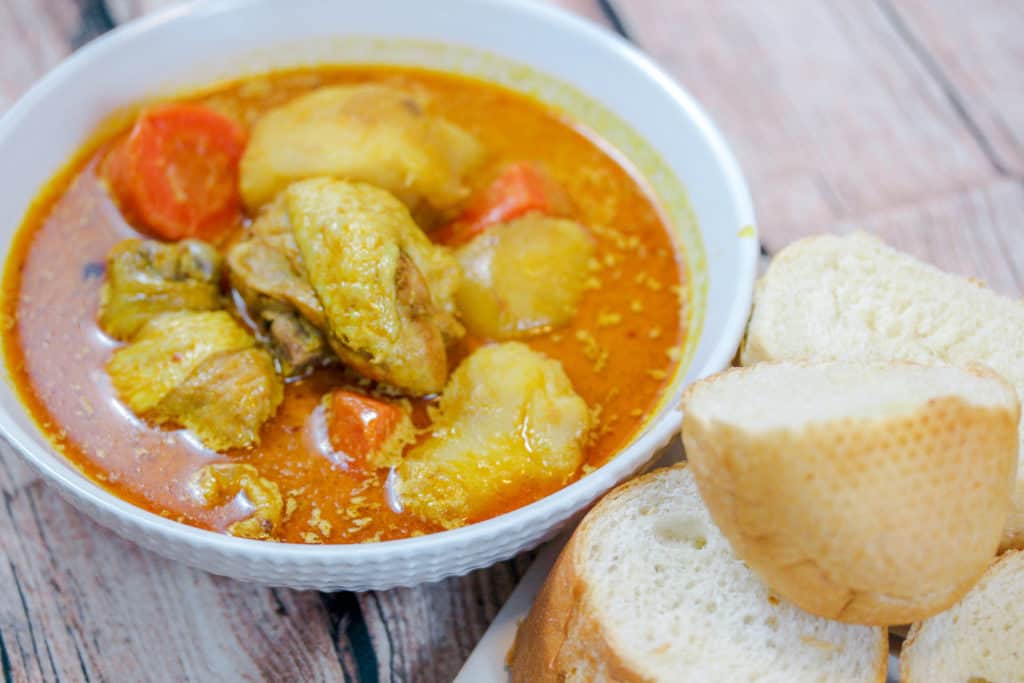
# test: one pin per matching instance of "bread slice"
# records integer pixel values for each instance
(648, 590)
(854, 298)
(873, 493)
(980, 640)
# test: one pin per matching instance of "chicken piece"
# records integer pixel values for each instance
(509, 429)
(226, 400)
(269, 264)
(373, 133)
(281, 301)
(221, 483)
(258, 270)
(273, 227)
(297, 344)
(523, 277)
(167, 350)
(197, 369)
(146, 278)
(387, 291)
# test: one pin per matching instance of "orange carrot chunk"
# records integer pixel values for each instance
(176, 173)
(363, 428)
(519, 189)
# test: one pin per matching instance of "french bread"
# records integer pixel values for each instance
(980, 639)
(854, 298)
(872, 493)
(648, 590)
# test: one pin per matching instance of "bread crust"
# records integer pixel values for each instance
(562, 640)
(819, 512)
(774, 335)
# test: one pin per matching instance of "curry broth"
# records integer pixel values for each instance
(620, 350)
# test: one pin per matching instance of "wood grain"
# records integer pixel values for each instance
(832, 114)
(976, 233)
(974, 48)
(34, 36)
(81, 603)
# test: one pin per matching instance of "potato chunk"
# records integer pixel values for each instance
(509, 429)
(523, 277)
(221, 483)
(146, 278)
(373, 133)
(200, 370)
(386, 290)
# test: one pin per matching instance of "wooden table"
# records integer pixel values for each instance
(901, 117)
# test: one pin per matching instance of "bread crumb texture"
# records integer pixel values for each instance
(649, 590)
(980, 639)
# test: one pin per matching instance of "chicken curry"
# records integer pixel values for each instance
(343, 305)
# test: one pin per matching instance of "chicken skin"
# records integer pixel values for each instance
(387, 292)
(202, 371)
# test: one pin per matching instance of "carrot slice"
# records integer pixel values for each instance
(362, 427)
(176, 173)
(519, 189)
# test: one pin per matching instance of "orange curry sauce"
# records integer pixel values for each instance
(619, 351)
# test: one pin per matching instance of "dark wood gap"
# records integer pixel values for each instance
(615, 20)
(93, 21)
(949, 90)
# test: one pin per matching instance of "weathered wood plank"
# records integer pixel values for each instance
(426, 633)
(974, 47)
(831, 113)
(975, 233)
(87, 604)
(34, 36)
(84, 604)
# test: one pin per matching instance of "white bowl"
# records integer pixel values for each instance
(592, 75)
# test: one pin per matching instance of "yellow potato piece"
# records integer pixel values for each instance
(386, 290)
(167, 350)
(374, 133)
(523, 277)
(509, 428)
(220, 483)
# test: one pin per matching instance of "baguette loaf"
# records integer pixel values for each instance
(648, 590)
(979, 639)
(869, 493)
(854, 298)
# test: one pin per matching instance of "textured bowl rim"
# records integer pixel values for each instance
(56, 469)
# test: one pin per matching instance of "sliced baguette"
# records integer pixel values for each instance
(869, 493)
(981, 639)
(649, 590)
(854, 298)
